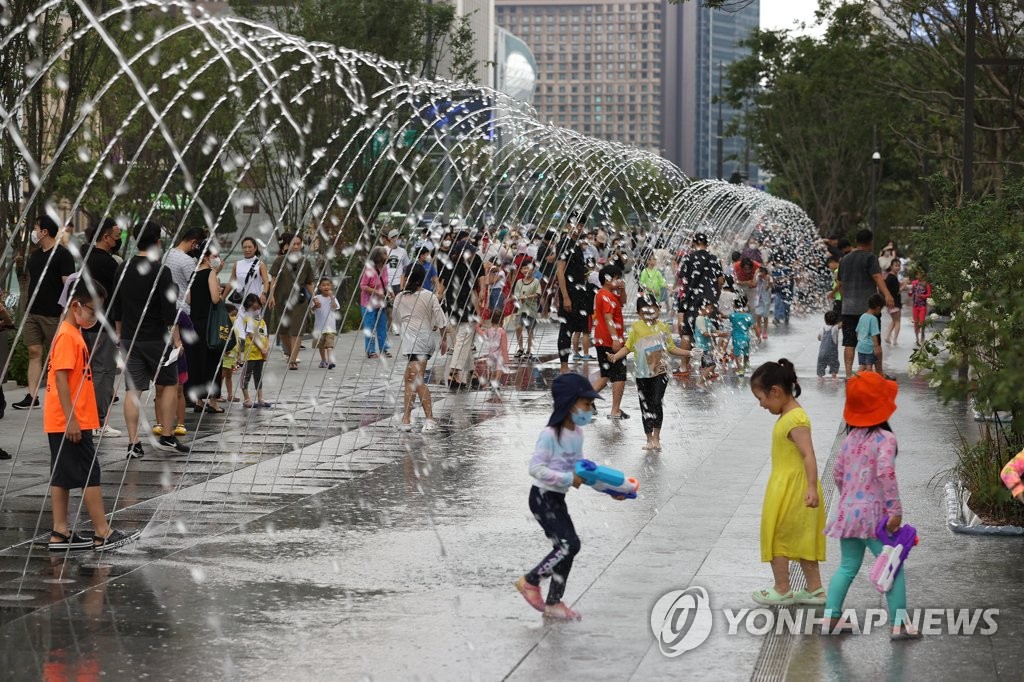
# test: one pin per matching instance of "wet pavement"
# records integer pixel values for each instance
(316, 541)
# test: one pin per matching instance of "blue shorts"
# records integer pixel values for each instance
(866, 359)
(740, 347)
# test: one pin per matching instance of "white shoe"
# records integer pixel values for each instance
(404, 427)
(429, 426)
(109, 431)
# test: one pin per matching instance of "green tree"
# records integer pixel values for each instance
(971, 255)
(815, 105)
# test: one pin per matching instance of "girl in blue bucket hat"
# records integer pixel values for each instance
(553, 467)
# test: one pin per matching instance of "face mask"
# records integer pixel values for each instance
(117, 246)
(582, 418)
(215, 262)
(34, 237)
(89, 323)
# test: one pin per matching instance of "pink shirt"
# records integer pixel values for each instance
(372, 279)
(1012, 472)
(865, 475)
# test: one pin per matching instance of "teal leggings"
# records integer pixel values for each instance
(852, 551)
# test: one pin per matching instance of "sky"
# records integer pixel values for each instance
(776, 14)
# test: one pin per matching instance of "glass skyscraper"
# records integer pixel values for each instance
(717, 38)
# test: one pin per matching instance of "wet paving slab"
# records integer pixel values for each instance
(398, 551)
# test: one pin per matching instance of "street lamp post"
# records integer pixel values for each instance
(876, 160)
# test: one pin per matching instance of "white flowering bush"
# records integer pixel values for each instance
(970, 256)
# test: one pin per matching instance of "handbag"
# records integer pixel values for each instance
(218, 327)
(235, 296)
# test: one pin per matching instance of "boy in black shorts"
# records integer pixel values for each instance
(70, 415)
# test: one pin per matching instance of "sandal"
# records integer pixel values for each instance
(293, 365)
(372, 356)
(805, 598)
(560, 611)
(531, 593)
(902, 633)
(388, 354)
(248, 405)
(213, 409)
(66, 542)
(769, 597)
(115, 539)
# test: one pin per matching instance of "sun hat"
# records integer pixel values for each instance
(870, 399)
(566, 389)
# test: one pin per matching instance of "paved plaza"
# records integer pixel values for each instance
(316, 541)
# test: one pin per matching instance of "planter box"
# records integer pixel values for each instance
(961, 519)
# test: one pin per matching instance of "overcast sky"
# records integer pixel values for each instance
(776, 14)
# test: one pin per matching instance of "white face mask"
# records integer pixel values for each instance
(215, 262)
(34, 236)
(90, 320)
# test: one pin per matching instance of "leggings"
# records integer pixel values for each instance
(852, 552)
(254, 371)
(652, 395)
(553, 516)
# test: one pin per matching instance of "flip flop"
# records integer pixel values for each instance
(769, 597)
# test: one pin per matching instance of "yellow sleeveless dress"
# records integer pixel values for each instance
(788, 528)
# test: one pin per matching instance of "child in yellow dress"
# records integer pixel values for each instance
(793, 518)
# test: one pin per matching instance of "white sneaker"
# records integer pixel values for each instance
(429, 426)
(109, 431)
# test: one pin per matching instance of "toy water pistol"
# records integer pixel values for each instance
(896, 548)
(607, 480)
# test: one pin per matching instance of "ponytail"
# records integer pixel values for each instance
(781, 373)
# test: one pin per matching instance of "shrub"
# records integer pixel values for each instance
(978, 466)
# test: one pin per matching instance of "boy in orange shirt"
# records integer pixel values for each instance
(69, 418)
(609, 335)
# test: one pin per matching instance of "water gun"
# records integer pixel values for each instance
(607, 480)
(896, 548)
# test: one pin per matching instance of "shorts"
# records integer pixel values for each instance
(418, 357)
(612, 371)
(575, 320)
(740, 349)
(920, 313)
(230, 359)
(145, 363)
(73, 465)
(527, 321)
(850, 330)
(39, 330)
(707, 359)
(326, 341)
(866, 359)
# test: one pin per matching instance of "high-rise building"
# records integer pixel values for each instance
(640, 72)
(600, 64)
(709, 41)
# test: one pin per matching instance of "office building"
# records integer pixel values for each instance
(599, 64)
(640, 72)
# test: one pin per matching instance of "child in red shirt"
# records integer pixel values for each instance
(609, 335)
(69, 418)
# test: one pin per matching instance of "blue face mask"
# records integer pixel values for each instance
(582, 418)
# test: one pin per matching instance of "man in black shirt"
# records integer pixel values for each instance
(701, 274)
(101, 268)
(460, 278)
(144, 310)
(547, 261)
(571, 271)
(48, 267)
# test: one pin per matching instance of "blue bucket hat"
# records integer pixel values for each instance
(566, 389)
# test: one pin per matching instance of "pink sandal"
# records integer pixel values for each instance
(560, 611)
(531, 593)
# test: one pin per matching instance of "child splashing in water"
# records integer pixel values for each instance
(792, 519)
(553, 467)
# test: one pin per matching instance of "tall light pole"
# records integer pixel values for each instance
(876, 160)
(721, 140)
